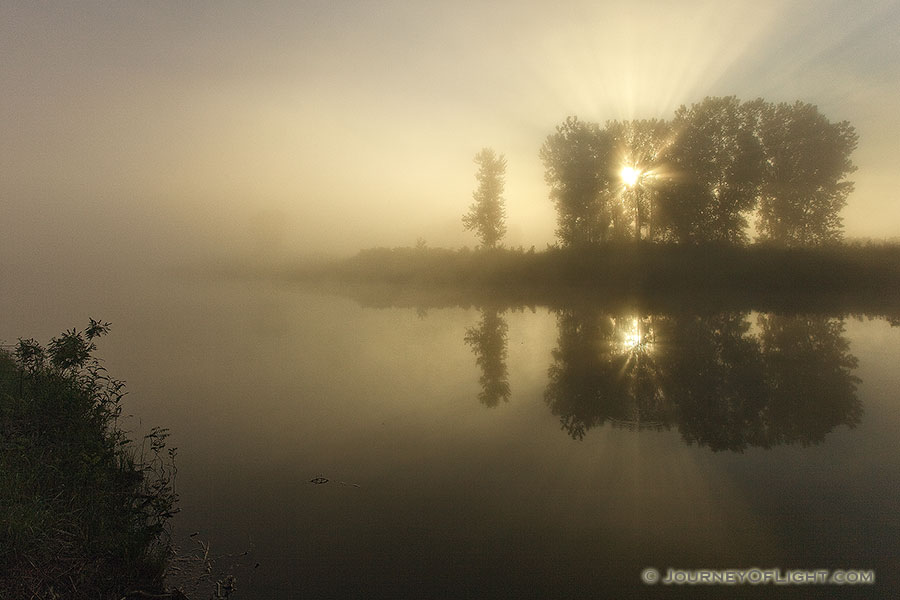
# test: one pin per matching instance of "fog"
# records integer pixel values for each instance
(428, 421)
(153, 133)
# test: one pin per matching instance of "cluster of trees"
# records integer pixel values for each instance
(717, 169)
(702, 176)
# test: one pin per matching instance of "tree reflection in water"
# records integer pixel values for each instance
(605, 369)
(811, 383)
(715, 378)
(488, 341)
(721, 385)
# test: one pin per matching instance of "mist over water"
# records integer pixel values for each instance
(550, 452)
(441, 422)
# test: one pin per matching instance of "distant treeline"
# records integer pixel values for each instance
(653, 267)
(716, 169)
(844, 278)
(652, 207)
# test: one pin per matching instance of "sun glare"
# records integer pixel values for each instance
(629, 175)
(637, 337)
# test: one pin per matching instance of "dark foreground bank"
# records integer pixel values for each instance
(85, 509)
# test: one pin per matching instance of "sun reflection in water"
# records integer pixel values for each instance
(637, 337)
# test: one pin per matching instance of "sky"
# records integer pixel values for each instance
(166, 130)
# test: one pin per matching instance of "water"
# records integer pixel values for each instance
(502, 452)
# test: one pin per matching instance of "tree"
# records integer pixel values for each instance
(700, 177)
(804, 189)
(486, 216)
(639, 146)
(718, 165)
(576, 161)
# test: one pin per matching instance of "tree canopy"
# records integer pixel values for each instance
(804, 189)
(487, 214)
(577, 159)
(715, 170)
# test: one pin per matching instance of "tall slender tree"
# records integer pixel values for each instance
(487, 215)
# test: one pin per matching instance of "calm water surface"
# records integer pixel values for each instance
(499, 452)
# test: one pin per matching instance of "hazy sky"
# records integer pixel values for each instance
(164, 128)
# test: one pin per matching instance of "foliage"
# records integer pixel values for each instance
(86, 510)
(703, 176)
(576, 161)
(486, 216)
(640, 145)
(717, 154)
(869, 274)
(804, 188)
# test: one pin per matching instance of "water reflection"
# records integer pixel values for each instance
(488, 341)
(716, 380)
(812, 385)
(725, 377)
(722, 384)
(604, 369)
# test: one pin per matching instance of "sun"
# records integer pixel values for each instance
(629, 175)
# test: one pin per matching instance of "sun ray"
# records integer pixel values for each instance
(629, 175)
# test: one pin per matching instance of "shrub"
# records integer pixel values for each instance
(85, 509)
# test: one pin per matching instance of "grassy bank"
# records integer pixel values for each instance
(642, 267)
(84, 508)
(841, 278)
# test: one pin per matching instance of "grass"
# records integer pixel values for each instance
(635, 266)
(85, 509)
(845, 278)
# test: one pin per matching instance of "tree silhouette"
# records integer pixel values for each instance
(577, 168)
(804, 188)
(717, 156)
(680, 209)
(488, 341)
(486, 216)
(639, 146)
(701, 177)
